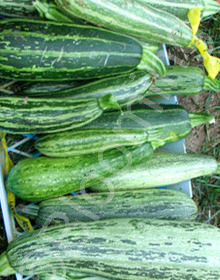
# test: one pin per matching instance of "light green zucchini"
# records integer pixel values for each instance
(19, 115)
(135, 249)
(160, 204)
(180, 8)
(143, 22)
(161, 169)
(159, 126)
(34, 50)
(53, 177)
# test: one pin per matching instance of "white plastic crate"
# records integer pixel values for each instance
(178, 147)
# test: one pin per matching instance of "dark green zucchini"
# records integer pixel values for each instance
(20, 115)
(160, 204)
(18, 9)
(36, 50)
(134, 249)
(159, 126)
(52, 177)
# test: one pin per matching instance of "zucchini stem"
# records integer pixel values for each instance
(108, 102)
(5, 268)
(151, 63)
(211, 84)
(200, 118)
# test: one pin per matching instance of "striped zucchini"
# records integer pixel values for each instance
(180, 80)
(49, 10)
(20, 115)
(52, 177)
(43, 89)
(143, 22)
(159, 126)
(160, 204)
(17, 8)
(180, 8)
(161, 169)
(126, 88)
(135, 249)
(36, 50)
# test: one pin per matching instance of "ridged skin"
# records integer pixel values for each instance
(20, 115)
(43, 51)
(180, 8)
(114, 129)
(52, 177)
(161, 169)
(160, 204)
(133, 18)
(135, 249)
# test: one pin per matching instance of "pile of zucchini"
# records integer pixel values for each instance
(83, 77)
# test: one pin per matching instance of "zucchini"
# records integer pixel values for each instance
(180, 8)
(161, 169)
(36, 50)
(49, 10)
(158, 126)
(160, 204)
(143, 22)
(135, 249)
(69, 276)
(44, 89)
(126, 88)
(18, 9)
(19, 115)
(52, 177)
(183, 80)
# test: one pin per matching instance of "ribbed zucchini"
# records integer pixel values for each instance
(49, 51)
(160, 204)
(52, 177)
(159, 126)
(132, 17)
(181, 80)
(134, 249)
(20, 115)
(180, 8)
(126, 88)
(161, 169)
(17, 8)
